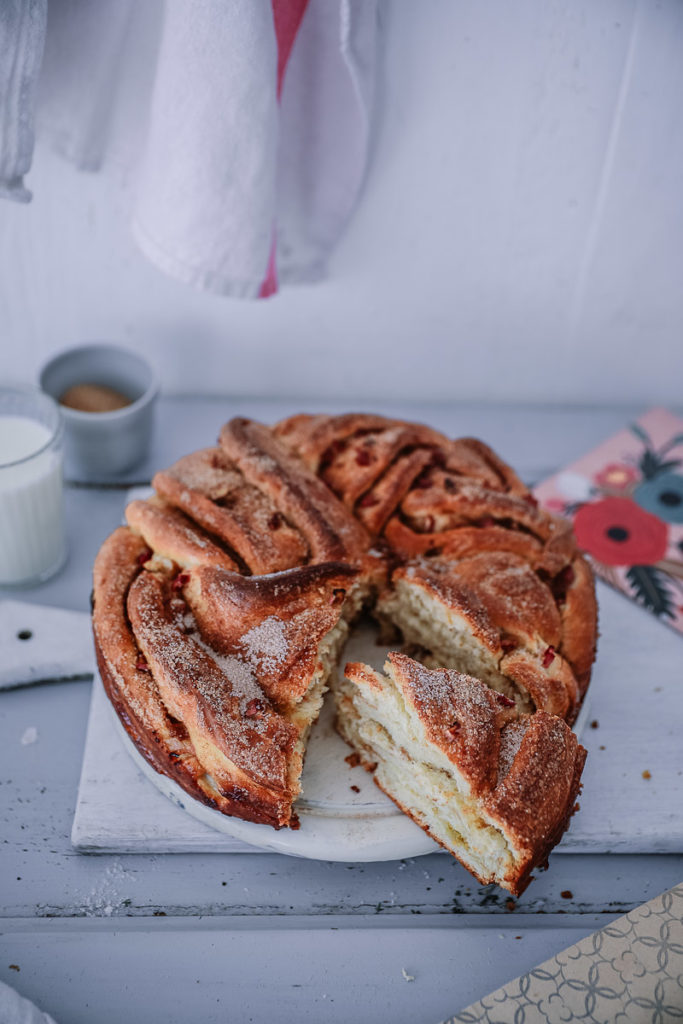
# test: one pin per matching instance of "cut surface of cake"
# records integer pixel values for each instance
(222, 607)
(491, 616)
(493, 787)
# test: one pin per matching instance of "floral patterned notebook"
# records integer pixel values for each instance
(626, 502)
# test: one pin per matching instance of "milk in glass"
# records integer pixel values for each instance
(32, 544)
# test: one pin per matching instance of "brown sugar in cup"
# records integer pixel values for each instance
(93, 398)
(107, 395)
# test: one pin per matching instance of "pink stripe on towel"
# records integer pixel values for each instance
(269, 286)
(287, 17)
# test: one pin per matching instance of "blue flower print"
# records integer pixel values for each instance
(662, 495)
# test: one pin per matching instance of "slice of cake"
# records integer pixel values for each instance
(493, 787)
(217, 677)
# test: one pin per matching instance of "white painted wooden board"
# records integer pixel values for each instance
(43, 644)
(636, 697)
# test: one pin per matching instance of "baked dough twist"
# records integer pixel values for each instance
(221, 610)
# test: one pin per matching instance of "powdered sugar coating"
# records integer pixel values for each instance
(441, 689)
(266, 645)
(206, 695)
(510, 741)
(459, 713)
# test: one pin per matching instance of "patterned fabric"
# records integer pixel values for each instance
(630, 972)
(625, 499)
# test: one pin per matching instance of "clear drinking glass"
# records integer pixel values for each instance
(32, 536)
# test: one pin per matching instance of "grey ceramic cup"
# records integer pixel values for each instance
(100, 444)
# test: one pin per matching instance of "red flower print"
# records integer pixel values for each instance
(616, 477)
(616, 531)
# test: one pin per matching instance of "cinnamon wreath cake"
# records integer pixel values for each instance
(222, 608)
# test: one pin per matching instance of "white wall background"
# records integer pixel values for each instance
(520, 234)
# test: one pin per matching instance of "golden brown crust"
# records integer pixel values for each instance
(332, 534)
(517, 602)
(171, 535)
(276, 623)
(208, 487)
(547, 678)
(317, 440)
(579, 617)
(461, 715)
(209, 698)
(364, 459)
(162, 740)
(117, 564)
(445, 501)
(375, 508)
(496, 472)
(325, 512)
(535, 800)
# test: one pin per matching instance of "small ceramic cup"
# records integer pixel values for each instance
(102, 444)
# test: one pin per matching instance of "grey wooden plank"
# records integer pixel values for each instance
(270, 971)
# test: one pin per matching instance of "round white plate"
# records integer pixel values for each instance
(337, 823)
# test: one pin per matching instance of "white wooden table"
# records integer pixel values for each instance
(246, 937)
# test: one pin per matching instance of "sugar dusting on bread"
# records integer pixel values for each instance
(219, 688)
(266, 644)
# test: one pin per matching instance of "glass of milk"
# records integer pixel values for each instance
(32, 537)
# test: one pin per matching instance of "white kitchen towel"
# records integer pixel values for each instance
(14, 1009)
(207, 187)
(243, 127)
(258, 139)
(22, 36)
(87, 49)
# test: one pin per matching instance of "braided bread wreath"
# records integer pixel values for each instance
(221, 609)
